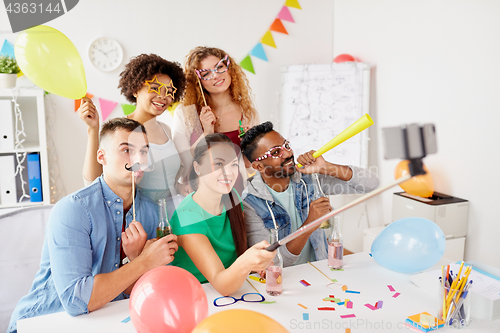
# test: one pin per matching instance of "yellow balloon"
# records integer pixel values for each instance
(241, 321)
(421, 185)
(49, 59)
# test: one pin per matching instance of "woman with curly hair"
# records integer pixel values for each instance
(152, 83)
(224, 89)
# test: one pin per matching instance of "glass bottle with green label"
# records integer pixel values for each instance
(163, 229)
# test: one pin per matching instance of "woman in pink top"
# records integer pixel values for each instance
(228, 98)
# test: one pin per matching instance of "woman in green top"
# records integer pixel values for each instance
(209, 223)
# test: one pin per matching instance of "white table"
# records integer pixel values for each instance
(361, 273)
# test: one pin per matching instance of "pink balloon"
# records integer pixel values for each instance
(343, 58)
(167, 299)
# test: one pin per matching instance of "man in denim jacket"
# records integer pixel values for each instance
(279, 197)
(84, 256)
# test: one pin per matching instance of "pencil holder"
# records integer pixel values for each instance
(454, 306)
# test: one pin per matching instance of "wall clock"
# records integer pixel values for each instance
(106, 54)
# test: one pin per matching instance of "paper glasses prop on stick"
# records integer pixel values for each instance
(49, 59)
(425, 139)
(358, 126)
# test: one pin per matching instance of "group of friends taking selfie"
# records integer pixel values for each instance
(227, 180)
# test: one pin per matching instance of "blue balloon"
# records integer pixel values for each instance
(409, 245)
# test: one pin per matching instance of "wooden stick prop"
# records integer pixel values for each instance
(201, 89)
(133, 194)
(358, 126)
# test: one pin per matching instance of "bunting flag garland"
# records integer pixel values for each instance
(258, 51)
(8, 49)
(79, 101)
(268, 39)
(285, 14)
(278, 26)
(106, 107)
(292, 3)
(247, 64)
(128, 109)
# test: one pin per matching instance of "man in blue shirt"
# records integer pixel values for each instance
(91, 235)
(278, 197)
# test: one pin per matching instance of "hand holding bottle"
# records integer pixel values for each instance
(133, 240)
(318, 208)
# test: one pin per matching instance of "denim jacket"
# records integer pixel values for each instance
(263, 212)
(82, 239)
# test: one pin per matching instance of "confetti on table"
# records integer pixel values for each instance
(334, 280)
(390, 288)
(126, 320)
(340, 303)
(326, 308)
(329, 299)
(305, 316)
(344, 287)
(305, 283)
(371, 307)
(336, 300)
(267, 302)
(396, 295)
(352, 291)
(348, 316)
(349, 305)
(333, 269)
(376, 305)
(305, 307)
(379, 304)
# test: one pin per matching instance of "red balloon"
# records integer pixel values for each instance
(167, 299)
(343, 58)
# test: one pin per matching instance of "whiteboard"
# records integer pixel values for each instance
(320, 101)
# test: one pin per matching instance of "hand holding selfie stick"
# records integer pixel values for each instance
(423, 140)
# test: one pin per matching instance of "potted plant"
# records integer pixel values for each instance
(8, 71)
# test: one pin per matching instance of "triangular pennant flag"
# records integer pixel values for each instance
(258, 51)
(285, 14)
(292, 3)
(79, 101)
(278, 27)
(268, 39)
(106, 107)
(247, 64)
(128, 109)
(7, 49)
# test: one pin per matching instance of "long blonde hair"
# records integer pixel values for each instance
(239, 88)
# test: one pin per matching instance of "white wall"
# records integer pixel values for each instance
(433, 61)
(436, 61)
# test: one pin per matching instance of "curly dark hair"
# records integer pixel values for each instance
(145, 67)
(252, 137)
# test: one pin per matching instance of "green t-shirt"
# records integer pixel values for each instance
(287, 200)
(190, 218)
